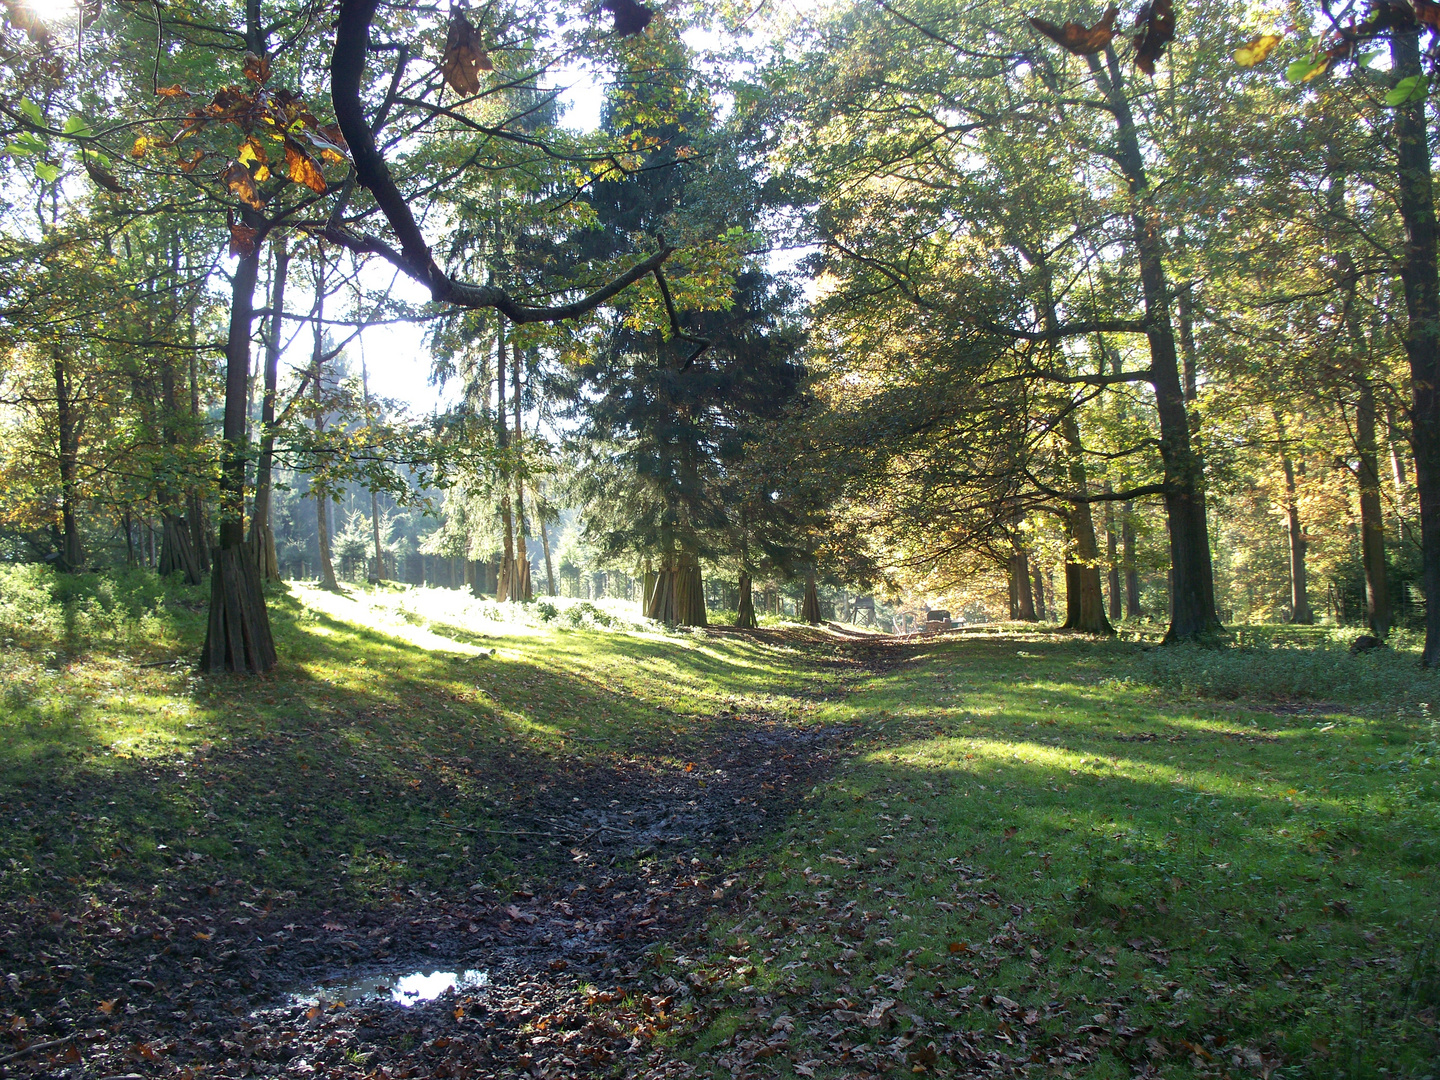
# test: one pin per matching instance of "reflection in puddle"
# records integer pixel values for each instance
(404, 990)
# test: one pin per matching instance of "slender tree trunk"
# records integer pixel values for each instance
(523, 588)
(72, 550)
(131, 560)
(378, 574)
(1421, 280)
(1372, 514)
(1022, 599)
(1084, 598)
(545, 544)
(1132, 574)
(177, 547)
(1192, 608)
(1396, 441)
(1185, 305)
(505, 589)
(1039, 592)
(238, 636)
(1111, 546)
(194, 499)
(1300, 609)
(262, 533)
(322, 497)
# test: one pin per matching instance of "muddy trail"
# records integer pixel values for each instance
(554, 980)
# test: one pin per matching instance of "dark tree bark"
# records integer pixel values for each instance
(1421, 280)
(1039, 593)
(545, 545)
(1111, 546)
(678, 597)
(1084, 599)
(523, 589)
(1132, 574)
(1372, 513)
(745, 609)
(262, 534)
(177, 546)
(1022, 599)
(505, 588)
(1192, 608)
(1300, 609)
(238, 636)
(810, 609)
(68, 425)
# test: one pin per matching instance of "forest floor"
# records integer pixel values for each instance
(645, 853)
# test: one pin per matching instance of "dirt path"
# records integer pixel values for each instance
(616, 858)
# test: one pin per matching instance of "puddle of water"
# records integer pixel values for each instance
(405, 990)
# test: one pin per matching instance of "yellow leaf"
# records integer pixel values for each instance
(1253, 53)
(238, 181)
(302, 168)
(252, 149)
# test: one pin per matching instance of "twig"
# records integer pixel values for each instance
(35, 1048)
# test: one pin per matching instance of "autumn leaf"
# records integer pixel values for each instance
(176, 91)
(301, 167)
(630, 17)
(241, 184)
(1255, 52)
(1078, 39)
(464, 58)
(252, 150)
(190, 164)
(1156, 24)
(242, 239)
(104, 179)
(142, 146)
(257, 68)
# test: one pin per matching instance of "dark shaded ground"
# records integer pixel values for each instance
(613, 858)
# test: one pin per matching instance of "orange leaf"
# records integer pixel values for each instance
(463, 59)
(1156, 24)
(104, 179)
(108, 1007)
(1253, 53)
(1078, 39)
(257, 68)
(302, 168)
(176, 91)
(242, 243)
(238, 181)
(193, 162)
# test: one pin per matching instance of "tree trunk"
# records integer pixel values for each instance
(810, 610)
(131, 560)
(745, 609)
(1192, 609)
(1372, 514)
(238, 636)
(1127, 556)
(545, 545)
(1300, 610)
(322, 497)
(262, 534)
(194, 500)
(1185, 304)
(1421, 279)
(678, 598)
(523, 588)
(505, 588)
(1039, 593)
(72, 550)
(1397, 459)
(1111, 546)
(1084, 599)
(1022, 598)
(177, 551)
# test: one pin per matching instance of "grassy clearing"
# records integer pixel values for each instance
(386, 721)
(1050, 856)
(1054, 841)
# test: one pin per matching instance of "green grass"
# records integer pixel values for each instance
(387, 719)
(1183, 882)
(1200, 861)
